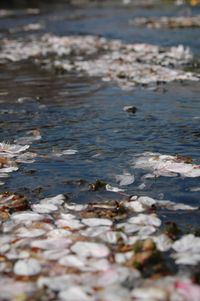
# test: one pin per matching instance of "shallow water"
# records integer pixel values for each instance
(86, 114)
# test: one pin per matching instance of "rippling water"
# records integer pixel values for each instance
(87, 115)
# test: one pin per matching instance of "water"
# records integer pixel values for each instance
(85, 114)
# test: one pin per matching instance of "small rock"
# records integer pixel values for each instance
(130, 109)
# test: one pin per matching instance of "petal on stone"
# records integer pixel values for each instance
(57, 200)
(54, 254)
(72, 224)
(75, 293)
(109, 237)
(115, 275)
(97, 265)
(95, 231)
(12, 289)
(114, 292)
(123, 257)
(144, 219)
(135, 206)
(145, 231)
(27, 216)
(51, 244)
(131, 228)
(90, 249)
(57, 233)
(186, 258)
(73, 261)
(94, 222)
(57, 283)
(150, 294)
(75, 207)
(67, 216)
(188, 290)
(44, 208)
(187, 243)
(24, 232)
(163, 242)
(27, 267)
(146, 201)
(16, 254)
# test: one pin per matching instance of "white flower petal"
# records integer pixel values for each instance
(73, 224)
(113, 189)
(24, 232)
(109, 237)
(131, 228)
(163, 242)
(57, 233)
(67, 216)
(150, 294)
(187, 243)
(8, 169)
(135, 206)
(75, 293)
(94, 222)
(94, 231)
(187, 258)
(75, 207)
(67, 152)
(27, 267)
(115, 275)
(97, 265)
(16, 254)
(73, 261)
(90, 249)
(44, 208)
(57, 200)
(165, 165)
(144, 219)
(123, 257)
(145, 231)
(146, 201)
(51, 244)
(57, 283)
(27, 216)
(174, 206)
(13, 148)
(54, 254)
(125, 179)
(114, 292)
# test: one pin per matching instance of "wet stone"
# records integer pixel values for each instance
(130, 109)
(97, 185)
